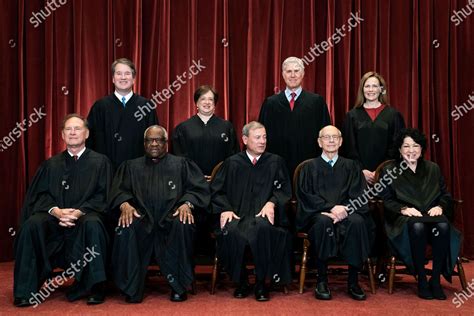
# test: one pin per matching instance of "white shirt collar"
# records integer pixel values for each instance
(78, 154)
(297, 91)
(127, 97)
(251, 157)
(334, 159)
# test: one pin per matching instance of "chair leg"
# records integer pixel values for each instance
(303, 265)
(371, 275)
(462, 275)
(214, 275)
(285, 289)
(391, 275)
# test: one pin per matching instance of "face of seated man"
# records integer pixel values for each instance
(155, 142)
(330, 140)
(75, 133)
(256, 142)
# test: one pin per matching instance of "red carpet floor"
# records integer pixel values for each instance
(402, 302)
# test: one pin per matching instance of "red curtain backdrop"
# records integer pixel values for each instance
(56, 57)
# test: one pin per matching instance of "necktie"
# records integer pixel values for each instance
(330, 162)
(123, 101)
(292, 101)
(75, 157)
(254, 161)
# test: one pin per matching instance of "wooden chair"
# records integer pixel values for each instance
(213, 236)
(307, 243)
(215, 269)
(393, 261)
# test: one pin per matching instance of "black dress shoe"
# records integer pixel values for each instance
(424, 291)
(242, 290)
(356, 292)
(95, 298)
(437, 290)
(261, 292)
(322, 292)
(175, 297)
(97, 294)
(21, 302)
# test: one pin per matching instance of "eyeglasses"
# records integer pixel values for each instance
(160, 140)
(330, 137)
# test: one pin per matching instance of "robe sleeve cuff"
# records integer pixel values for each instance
(50, 211)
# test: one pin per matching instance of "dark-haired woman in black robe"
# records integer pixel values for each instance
(205, 138)
(417, 209)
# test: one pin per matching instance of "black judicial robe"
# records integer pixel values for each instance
(422, 190)
(293, 134)
(42, 244)
(367, 141)
(156, 190)
(243, 188)
(320, 188)
(205, 144)
(117, 132)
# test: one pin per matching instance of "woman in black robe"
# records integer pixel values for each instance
(205, 138)
(369, 128)
(417, 209)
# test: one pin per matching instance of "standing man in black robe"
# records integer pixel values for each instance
(293, 117)
(249, 192)
(62, 221)
(117, 121)
(155, 196)
(326, 185)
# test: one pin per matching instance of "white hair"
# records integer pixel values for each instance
(292, 60)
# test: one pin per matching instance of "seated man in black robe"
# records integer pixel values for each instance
(62, 222)
(250, 192)
(154, 196)
(326, 185)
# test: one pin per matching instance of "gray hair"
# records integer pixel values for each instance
(321, 130)
(251, 126)
(292, 60)
(165, 133)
